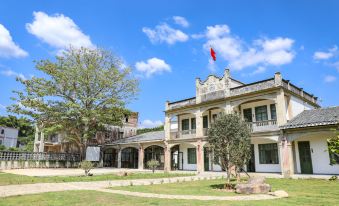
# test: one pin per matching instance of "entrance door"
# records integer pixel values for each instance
(108, 159)
(206, 159)
(177, 160)
(305, 157)
(251, 162)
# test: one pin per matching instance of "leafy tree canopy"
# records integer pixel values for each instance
(80, 92)
(154, 129)
(229, 137)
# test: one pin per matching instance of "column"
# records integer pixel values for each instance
(36, 139)
(200, 157)
(141, 158)
(119, 158)
(167, 153)
(281, 108)
(42, 142)
(167, 127)
(199, 124)
(287, 165)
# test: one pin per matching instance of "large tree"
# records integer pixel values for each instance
(81, 91)
(229, 137)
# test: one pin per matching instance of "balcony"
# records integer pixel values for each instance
(263, 126)
(184, 134)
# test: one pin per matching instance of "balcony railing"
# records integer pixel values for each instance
(183, 134)
(262, 126)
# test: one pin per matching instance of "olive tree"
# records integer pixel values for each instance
(229, 137)
(79, 93)
(333, 147)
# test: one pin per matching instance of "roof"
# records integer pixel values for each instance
(145, 137)
(315, 117)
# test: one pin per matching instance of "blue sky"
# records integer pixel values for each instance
(166, 43)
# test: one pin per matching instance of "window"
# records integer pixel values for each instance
(248, 115)
(185, 124)
(2, 131)
(273, 112)
(0, 141)
(192, 156)
(205, 122)
(334, 157)
(193, 124)
(268, 153)
(261, 113)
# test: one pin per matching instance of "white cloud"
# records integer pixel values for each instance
(152, 66)
(2, 106)
(320, 55)
(58, 31)
(259, 70)
(7, 47)
(11, 73)
(150, 124)
(164, 33)
(181, 21)
(330, 78)
(262, 52)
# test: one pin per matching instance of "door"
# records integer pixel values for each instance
(251, 162)
(206, 159)
(305, 157)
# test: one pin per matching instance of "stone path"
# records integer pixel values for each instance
(25, 189)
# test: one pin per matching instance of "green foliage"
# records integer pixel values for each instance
(2, 147)
(80, 93)
(229, 137)
(333, 147)
(145, 130)
(86, 166)
(153, 164)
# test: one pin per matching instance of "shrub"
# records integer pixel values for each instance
(153, 164)
(86, 166)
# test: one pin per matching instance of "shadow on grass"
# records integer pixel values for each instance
(223, 186)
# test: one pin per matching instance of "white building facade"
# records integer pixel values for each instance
(8, 136)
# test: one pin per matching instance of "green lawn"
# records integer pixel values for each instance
(302, 192)
(11, 179)
(203, 187)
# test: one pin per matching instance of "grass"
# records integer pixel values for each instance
(204, 187)
(13, 179)
(302, 192)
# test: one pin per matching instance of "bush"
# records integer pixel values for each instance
(153, 164)
(86, 166)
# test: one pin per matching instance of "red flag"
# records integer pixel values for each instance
(213, 54)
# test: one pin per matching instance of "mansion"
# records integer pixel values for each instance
(289, 130)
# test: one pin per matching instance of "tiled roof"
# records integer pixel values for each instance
(146, 137)
(315, 117)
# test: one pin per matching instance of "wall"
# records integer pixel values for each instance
(319, 154)
(298, 106)
(36, 164)
(265, 167)
(10, 136)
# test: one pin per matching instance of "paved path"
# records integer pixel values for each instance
(191, 197)
(25, 189)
